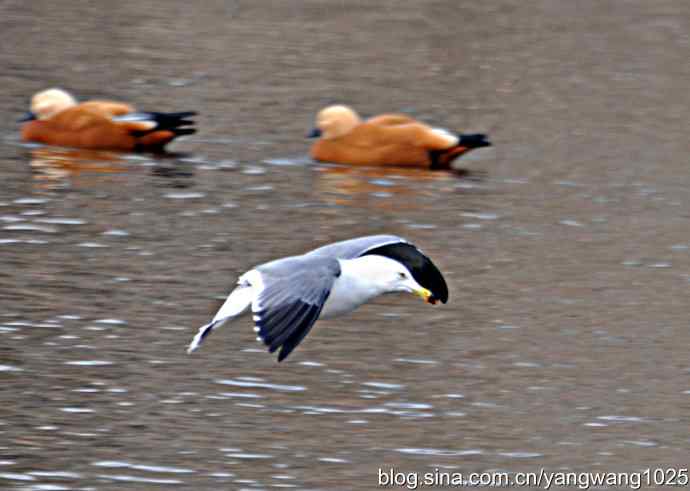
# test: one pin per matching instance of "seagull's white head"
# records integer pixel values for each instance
(385, 275)
(48, 103)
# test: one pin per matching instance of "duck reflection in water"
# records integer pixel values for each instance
(384, 188)
(55, 168)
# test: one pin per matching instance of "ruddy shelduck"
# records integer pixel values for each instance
(386, 140)
(56, 118)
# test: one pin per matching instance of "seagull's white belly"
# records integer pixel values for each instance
(347, 294)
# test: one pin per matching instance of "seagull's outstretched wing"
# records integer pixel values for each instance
(295, 291)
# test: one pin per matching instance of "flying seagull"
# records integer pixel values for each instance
(288, 295)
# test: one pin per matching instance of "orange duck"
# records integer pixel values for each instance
(386, 140)
(56, 118)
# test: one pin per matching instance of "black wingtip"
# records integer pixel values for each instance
(285, 327)
(474, 140)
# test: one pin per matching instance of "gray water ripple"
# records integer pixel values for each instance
(383, 385)
(13, 476)
(261, 385)
(28, 227)
(440, 452)
(61, 221)
(159, 469)
(89, 363)
(31, 201)
(137, 479)
(184, 195)
(520, 455)
(57, 474)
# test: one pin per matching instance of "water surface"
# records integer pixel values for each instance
(565, 247)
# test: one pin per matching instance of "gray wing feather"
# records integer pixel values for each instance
(295, 291)
(350, 249)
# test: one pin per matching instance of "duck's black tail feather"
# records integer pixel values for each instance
(178, 123)
(473, 140)
(166, 127)
(441, 159)
(175, 122)
(183, 131)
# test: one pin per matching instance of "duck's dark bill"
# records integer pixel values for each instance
(423, 270)
(315, 133)
(28, 116)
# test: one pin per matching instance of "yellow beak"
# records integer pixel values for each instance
(423, 293)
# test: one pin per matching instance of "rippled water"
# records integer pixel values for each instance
(563, 345)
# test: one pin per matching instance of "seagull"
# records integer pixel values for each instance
(288, 295)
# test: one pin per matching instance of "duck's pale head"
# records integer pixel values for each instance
(48, 103)
(335, 121)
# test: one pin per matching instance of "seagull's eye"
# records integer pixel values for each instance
(402, 276)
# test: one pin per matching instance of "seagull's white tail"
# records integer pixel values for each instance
(237, 303)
